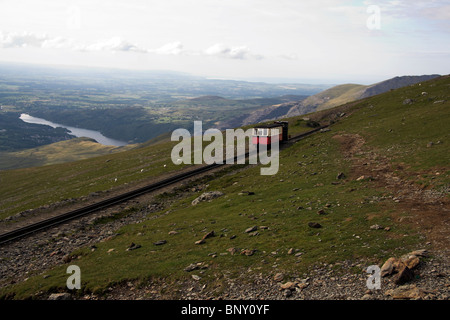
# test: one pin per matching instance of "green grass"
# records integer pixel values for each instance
(307, 170)
(335, 96)
(58, 152)
(38, 186)
(29, 188)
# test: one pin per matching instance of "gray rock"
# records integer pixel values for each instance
(60, 296)
(207, 196)
(408, 101)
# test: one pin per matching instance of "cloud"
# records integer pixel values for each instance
(29, 39)
(173, 48)
(114, 44)
(223, 51)
(24, 39)
(117, 44)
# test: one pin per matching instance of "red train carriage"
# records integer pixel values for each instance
(265, 134)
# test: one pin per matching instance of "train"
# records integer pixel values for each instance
(265, 134)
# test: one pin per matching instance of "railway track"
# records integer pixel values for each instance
(78, 213)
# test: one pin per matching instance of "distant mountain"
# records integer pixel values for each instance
(333, 97)
(395, 83)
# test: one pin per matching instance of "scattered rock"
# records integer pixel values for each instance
(60, 296)
(403, 266)
(195, 266)
(321, 212)
(388, 267)
(160, 242)
(133, 247)
(287, 293)
(191, 267)
(207, 196)
(246, 193)
(406, 292)
(278, 277)
(196, 277)
(172, 233)
(248, 252)
(288, 285)
(376, 227)
(232, 251)
(290, 251)
(340, 175)
(411, 261)
(208, 235)
(419, 253)
(408, 101)
(430, 144)
(201, 241)
(251, 229)
(314, 225)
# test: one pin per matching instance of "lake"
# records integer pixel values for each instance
(77, 132)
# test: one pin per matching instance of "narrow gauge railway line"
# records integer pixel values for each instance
(78, 213)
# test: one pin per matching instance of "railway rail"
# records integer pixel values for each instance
(78, 213)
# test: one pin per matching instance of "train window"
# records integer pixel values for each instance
(273, 131)
(264, 132)
(255, 131)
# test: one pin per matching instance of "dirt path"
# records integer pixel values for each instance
(427, 209)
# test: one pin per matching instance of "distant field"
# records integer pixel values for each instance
(132, 106)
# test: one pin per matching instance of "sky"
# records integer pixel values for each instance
(320, 41)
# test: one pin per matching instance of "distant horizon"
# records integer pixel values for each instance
(273, 80)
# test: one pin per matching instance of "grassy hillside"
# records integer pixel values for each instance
(341, 94)
(336, 96)
(58, 152)
(392, 153)
(29, 188)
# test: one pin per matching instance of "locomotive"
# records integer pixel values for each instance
(265, 134)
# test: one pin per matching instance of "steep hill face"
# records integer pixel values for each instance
(395, 83)
(338, 95)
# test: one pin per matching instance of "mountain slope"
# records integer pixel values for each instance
(395, 83)
(376, 185)
(341, 94)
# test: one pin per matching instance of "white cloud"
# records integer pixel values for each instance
(117, 44)
(223, 51)
(113, 44)
(173, 48)
(24, 39)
